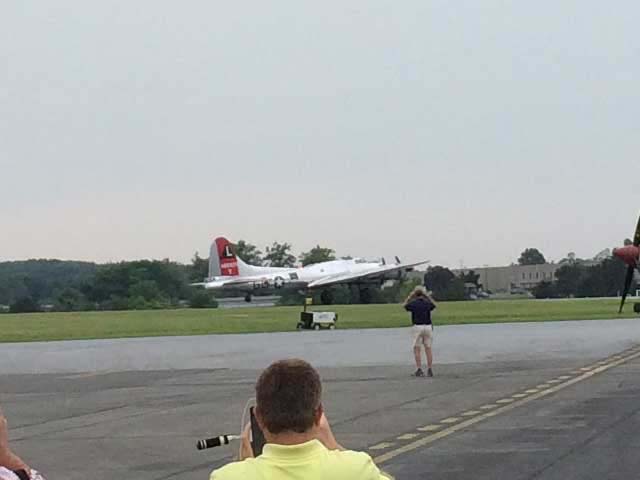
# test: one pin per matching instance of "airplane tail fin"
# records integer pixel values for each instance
(223, 261)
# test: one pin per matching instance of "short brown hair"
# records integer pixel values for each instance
(288, 395)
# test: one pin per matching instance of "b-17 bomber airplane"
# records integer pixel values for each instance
(228, 272)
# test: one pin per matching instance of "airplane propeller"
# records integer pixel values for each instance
(629, 254)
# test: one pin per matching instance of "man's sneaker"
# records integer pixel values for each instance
(419, 373)
(429, 373)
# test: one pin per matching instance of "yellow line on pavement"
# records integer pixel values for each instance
(503, 409)
(381, 446)
(430, 428)
(471, 413)
(450, 420)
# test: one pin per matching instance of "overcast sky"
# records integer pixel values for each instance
(458, 131)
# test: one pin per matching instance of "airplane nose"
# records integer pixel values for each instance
(628, 254)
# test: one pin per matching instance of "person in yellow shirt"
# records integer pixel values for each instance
(299, 440)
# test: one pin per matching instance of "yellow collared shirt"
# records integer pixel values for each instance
(307, 461)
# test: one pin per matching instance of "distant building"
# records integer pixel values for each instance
(521, 278)
(513, 278)
(4, 308)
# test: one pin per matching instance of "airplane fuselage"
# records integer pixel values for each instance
(228, 272)
(290, 278)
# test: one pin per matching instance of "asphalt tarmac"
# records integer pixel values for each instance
(518, 401)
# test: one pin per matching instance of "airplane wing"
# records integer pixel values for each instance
(353, 277)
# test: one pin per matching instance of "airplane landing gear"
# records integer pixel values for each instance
(247, 298)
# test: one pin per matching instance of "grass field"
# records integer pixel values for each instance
(89, 325)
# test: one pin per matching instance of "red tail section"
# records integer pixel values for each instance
(227, 257)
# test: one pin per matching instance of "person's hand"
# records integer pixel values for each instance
(4, 436)
(245, 443)
(8, 459)
(325, 435)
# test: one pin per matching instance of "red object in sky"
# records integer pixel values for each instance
(628, 254)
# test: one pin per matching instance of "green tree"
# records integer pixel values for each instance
(248, 253)
(545, 289)
(531, 256)
(444, 284)
(399, 291)
(575, 279)
(115, 302)
(317, 254)
(203, 299)
(470, 277)
(147, 289)
(292, 297)
(455, 291)
(43, 280)
(37, 287)
(279, 255)
(24, 305)
(569, 278)
(570, 259)
(199, 268)
(137, 303)
(437, 279)
(12, 289)
(342, 294)
(71, 299)
(604, 279)
(326, 296)
(159, 282)
(368, 295)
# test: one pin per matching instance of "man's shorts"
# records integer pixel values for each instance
(422, 334)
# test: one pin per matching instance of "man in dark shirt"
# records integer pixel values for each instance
(420, 304)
